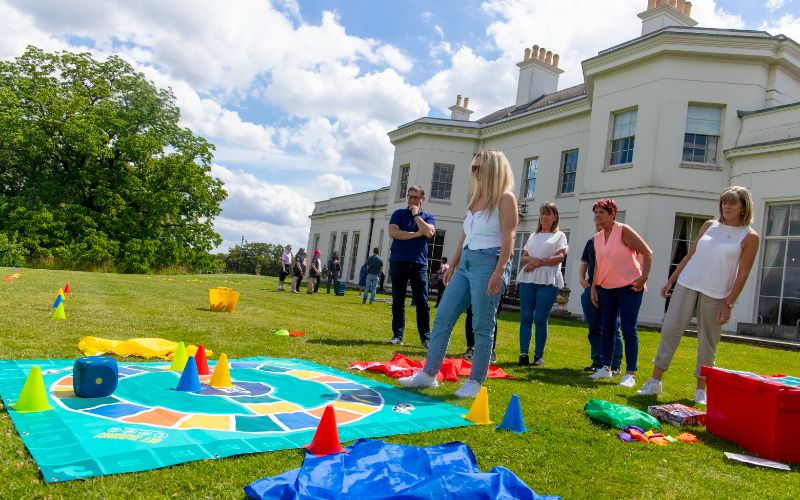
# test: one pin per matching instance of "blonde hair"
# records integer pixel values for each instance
(550, 208)
(741, 194)
(494, 178)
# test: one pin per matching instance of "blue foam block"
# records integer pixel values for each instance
(95, 376)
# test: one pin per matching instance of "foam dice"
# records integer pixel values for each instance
(95, 376)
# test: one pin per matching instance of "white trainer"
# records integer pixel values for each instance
(700, 396)
(470, 389)
(628, 380)
(650, 388)
(419, 380)
(604, 372)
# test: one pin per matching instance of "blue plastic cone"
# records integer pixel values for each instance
(512, 420)
(190, 380)
(58, 300)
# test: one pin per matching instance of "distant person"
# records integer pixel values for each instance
(591, 315)
(618, 286)
(362, 278)
(314, 272)
(443, 267)
(381, 282)
(539, 280)
(286, 266)
(479, 271)
(709, 280)
(374, 266)
(469, 333)
(410, 228)
(298, 270)
(334, 269)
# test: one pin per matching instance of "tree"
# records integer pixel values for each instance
(246, 258)
(95, 168)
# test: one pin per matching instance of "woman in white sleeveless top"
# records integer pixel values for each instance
(478, 272)
(709, 279)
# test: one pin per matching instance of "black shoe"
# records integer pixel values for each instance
(425, 344)
(591, 368)
(468, 354)
(538, 361)
(493, 359)
(396, 341)
(524, 360)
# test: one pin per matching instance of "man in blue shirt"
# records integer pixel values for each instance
(410, 228)
(374, 266)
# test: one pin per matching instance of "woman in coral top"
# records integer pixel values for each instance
(707, 282)
(622, 266)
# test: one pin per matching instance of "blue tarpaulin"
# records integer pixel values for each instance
(374, 470)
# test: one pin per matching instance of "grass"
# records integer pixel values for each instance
(563, 452)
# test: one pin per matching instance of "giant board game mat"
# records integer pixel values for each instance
(275, 404)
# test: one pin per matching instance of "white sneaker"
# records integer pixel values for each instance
(650, 388)
(700, 396)
(419, 379)
(628, 380)
(604, 372)
(470, 389)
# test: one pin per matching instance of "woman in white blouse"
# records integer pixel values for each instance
(539, 280)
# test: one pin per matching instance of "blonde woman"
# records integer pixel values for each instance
(539, 280)
(709, 280)
(478, 272)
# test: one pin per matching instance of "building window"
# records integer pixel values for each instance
(684, 234)
(622, 138)
(779, 292)
(342, 253)
(354, 254)
(316, 241)
(702, 134)
(402, 181)
(442, 182)
(564, 262)
(380, 242)
(333, 245)
(530, 177)
(435, 248)
(569, 169)
(519, 245)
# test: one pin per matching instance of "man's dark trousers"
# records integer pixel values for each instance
(417, 274)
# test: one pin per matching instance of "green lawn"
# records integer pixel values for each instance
(563, 453)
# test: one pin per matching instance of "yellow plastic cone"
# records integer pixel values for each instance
(180, 358)
(479, 411)
(60, 313)
(61, 292)
(222, 375)
(33, 396)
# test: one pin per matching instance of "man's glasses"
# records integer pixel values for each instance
(414, 197)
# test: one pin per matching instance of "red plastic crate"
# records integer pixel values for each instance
(757, 413)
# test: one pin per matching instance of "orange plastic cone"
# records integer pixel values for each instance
(326, 439)
(200, 359)
(66, 288)
(222, 375)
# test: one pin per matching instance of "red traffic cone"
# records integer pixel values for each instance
(66, 288)
(200, 359)
(326, 439)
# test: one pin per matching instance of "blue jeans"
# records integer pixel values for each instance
(468, 287)
(371, 287)
(591, 315)
(417, 274)
(625, 303)
(535, 303)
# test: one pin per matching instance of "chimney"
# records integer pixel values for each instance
(663, 13)
(459, 112)
(538, 74)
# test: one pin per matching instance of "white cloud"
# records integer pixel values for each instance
(709, 15)
(773, 5)
(426, 16)
(787, 24)
(330, 186)
(255, 231)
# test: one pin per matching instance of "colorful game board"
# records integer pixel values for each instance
(276, 404)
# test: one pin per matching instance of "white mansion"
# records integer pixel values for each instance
(662, 123)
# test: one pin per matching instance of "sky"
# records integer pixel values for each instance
(298, 95)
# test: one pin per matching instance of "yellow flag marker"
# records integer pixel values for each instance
(222, 375)
(33, 396)
(479, 411)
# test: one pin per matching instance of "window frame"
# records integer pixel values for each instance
(612, 140)
(403, 173)
(526, 180)
(434, 181)
(787, 238)
(718, 139)
(354, 254)
(434, 243)
(562, 171)
(520, 239)
(342, 251)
